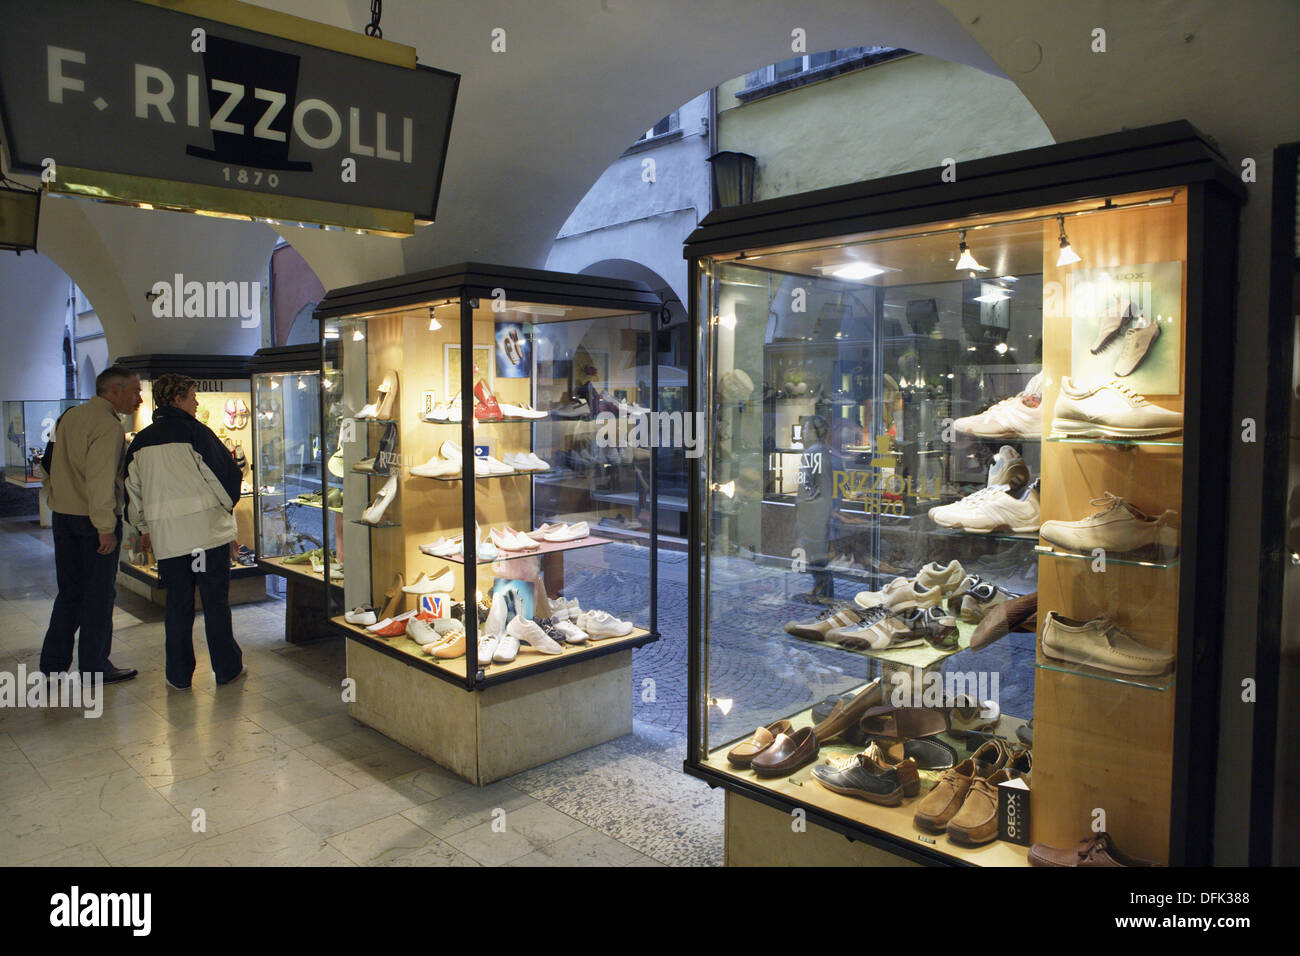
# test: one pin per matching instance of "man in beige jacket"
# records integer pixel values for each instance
(86, 494)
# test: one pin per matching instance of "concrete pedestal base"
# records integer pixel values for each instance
(503, 729)
(305, 619)
(759, 835)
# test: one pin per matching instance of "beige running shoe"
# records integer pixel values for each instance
(946, 577)
(900, 594)
(1138, 340)
(1118, 527)
(1112, 410)
(1111, 322)
(1100, 643)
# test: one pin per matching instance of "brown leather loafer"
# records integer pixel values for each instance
(787, 754)
(1096, 851)
(743, 754)
(1012, 615)
(976, 823)
(946, 797)
(847, 713)
(901, 723)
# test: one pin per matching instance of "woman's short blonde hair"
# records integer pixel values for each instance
(167, 388)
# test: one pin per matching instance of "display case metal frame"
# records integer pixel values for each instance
(466, 283)
(201, 367)
(284, 359)
(1164, 156)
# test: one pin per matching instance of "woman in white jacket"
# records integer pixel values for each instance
(182, 486)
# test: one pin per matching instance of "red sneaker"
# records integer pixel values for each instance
(486, 408)
(395, 627)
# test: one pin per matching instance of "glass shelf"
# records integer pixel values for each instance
(1129, 558)
(547, 547)
(1159, 682)
(372, 421)
(497, 421)
(1122, 442)
(381, 524)
(512, 474)
(307, 504)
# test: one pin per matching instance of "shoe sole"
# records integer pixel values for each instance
(1150, 549)
(1078, 429)
(893, 799)
(1067, 657)
(1003, 528)
(973, 836)
(805, 634)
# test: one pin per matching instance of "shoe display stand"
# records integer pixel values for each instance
(290, 526)
(225, 405)
(404, 427)
(887, 395)
(29, 426)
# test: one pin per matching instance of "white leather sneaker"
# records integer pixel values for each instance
(1020, 416)
(1118, 527)
(1112, 410)
(572, 633)
(1100, 643)
(568, 532)
(507, 649)
(362, 616)
(530, 633)
(991, 510)
(487, 647)
(422, 632)
(600, 624)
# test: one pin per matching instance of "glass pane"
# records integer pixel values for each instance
(879, 495)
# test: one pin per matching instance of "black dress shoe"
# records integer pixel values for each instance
(115, 675)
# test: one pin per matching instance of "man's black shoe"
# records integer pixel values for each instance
(115, 675)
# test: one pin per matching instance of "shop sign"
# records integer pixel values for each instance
(240, 110)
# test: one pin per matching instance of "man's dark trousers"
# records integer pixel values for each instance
(87, 588)
(210, 571)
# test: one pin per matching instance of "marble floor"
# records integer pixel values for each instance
(271, 771)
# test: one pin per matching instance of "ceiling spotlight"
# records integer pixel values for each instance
(302, 385)
(858, 270)
(727, 321)
(967, 261)
(1068, 256)
(728, 489)
(358, 336)
(434, 324)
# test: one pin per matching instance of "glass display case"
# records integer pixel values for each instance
(226, 406)
(546, 556)
(957, 516)
(29, 426)
(293, 504)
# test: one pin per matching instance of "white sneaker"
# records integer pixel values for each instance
(448, 411)
(572, 633)
(1112, 410)
(1100, 643)
(428, 585)
(487, 647)
(488, 466)
(370, 410)
(1117, 527)
(530, 633)
(990, 510)
(1020, 416)
(375, 513)
(421, 631)
(521, 461)
(538, 464)
(507, 649)
(1008, 468)
(600, 624)
(362, 616)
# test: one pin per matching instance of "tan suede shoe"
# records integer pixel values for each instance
(976, 822)
(944, 800)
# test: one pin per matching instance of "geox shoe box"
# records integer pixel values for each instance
(1013, 811)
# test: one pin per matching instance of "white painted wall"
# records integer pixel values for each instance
(33, 305)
